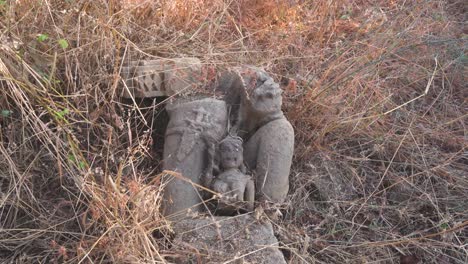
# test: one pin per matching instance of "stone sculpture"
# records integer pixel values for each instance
(199, 120)
(206, 144)
(268, 135)
(196, 124)
(236, 186)
(194, 129)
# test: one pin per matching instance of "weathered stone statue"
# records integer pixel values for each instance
(259, 133)
(197, 122)
(268, 136)
(236, 186)
(193, 131)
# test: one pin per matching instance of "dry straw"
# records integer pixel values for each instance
(376, 92)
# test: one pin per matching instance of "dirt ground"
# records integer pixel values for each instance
(376, 92)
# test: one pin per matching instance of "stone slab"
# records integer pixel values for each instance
(237, 239)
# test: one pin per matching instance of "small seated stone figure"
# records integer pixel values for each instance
(233, 183)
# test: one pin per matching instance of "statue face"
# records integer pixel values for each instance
(266, 98)
(231, 155)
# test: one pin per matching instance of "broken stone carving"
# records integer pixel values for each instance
(238, 239)
(165, 77)
(143, 79)
(268, 135)
(198, 122)
(240, 147)
(236, 187)
(193, 131)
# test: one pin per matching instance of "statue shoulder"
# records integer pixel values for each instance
(279, 128)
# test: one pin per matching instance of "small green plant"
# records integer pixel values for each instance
(347, 14)
(61, 114)
(344, 17)
(42, 37)
(444, 226)
(81, 164)
(5, 113)
(63, 43)
(3, 5)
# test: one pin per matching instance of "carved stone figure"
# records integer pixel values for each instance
(198, 122)
(235, 185)
(193, 131)
(268, 135)
(259, 133)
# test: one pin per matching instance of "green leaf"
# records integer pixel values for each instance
(63, 43)
(71, 158)
(463, 58)
(344, 17)
(61, 114)
(42, 37)
(444, 226)
(82, 165)
(3, 2)
(5, 113)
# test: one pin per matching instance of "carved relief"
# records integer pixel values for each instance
(236, 187)
(192, 133)
(143, 79)
(259, 134)
(165, 77)
(268, 135)
(240, 148)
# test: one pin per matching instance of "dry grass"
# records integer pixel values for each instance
(376, 91)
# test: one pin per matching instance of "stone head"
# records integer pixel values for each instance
(264, 94)
(231, 152)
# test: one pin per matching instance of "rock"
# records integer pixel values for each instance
(239, 239)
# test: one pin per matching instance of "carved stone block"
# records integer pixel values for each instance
(143, 79)
(239, 239)
(182, 76)
(165, 77)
